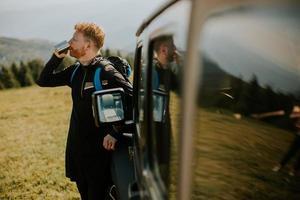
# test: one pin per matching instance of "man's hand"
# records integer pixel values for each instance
(109, 142)
(61, 55)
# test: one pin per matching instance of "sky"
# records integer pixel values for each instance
(54, 20)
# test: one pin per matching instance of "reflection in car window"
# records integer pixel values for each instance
(140, 84)
(164, 79)
(166, 51)
(248, 103)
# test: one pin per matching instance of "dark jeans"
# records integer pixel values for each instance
(294, 148)
(95, 185)
(91, 191)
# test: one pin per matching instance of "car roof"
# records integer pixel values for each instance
(148, 20)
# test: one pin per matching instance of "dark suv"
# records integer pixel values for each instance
(216, 98)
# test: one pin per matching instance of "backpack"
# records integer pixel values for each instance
(120, 64)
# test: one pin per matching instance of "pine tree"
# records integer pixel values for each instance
(15, 71)
(236, 85)
(242, 104)
(107, 53)
(25, 75)
(254, 100)
(35, 67)
(272, 100)
(7, 78)
(1, 86)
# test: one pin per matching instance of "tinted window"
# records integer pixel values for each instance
(165, 86)
(167, 52)
(140, 83)
(248, 103)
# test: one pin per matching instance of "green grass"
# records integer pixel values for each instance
(33, 130)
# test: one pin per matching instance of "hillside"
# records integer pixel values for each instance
(15, 50)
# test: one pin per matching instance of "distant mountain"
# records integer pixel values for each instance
(16, 50)
(240, 60)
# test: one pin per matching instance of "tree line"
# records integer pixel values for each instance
(26, 73)
(20, 75)
(248, 98)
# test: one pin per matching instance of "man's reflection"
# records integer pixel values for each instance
(164, 78)
(165, 60)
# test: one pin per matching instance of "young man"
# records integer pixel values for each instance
(88, 147)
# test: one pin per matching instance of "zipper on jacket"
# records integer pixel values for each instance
(83, 81)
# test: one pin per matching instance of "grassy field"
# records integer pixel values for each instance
(233, 157)
(33, 130)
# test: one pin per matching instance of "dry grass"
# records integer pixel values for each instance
(233, 157)
(33, 130)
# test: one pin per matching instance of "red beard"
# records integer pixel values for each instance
(77, 53)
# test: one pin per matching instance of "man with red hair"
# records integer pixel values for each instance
(88, 147)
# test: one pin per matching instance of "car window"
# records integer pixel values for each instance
(248, 103)
(140, 83)
(167, 53)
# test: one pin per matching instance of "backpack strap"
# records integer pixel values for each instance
(97, 79)
(128, 71)
(155, 83)
(74, 71)
(97, 75)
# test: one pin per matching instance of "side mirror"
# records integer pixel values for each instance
(108, 106)
(159, 105)
(159, 102)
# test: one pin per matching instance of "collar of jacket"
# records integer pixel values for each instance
(95, 62)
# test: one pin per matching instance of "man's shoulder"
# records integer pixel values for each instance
(109, 68)
(108, 71)
(105, 64)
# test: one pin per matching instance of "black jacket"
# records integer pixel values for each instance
(84, 144)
